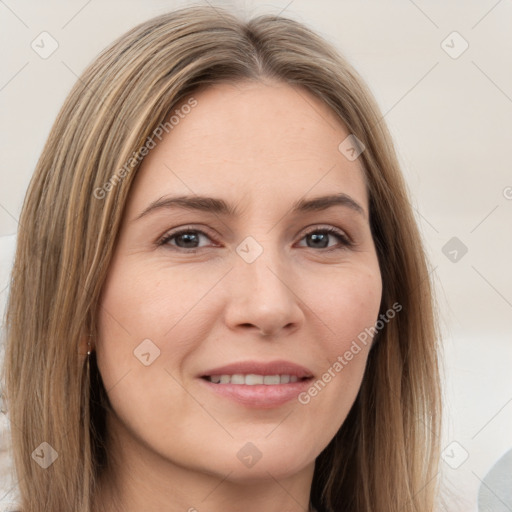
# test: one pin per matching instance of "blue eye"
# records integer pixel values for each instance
(185, 239)
(189, 239)
(319, 238)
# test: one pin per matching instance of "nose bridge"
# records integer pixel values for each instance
(261, 293)
(261, 269)
(266, 274)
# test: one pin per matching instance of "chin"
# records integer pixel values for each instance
(258, 461)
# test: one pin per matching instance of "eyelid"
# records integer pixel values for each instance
(164, 239)
(341, 233)
(346, 240)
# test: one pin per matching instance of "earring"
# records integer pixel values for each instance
(88, 354)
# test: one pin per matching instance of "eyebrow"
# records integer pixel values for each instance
(221, 207)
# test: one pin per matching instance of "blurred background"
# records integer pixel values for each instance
(442, 75)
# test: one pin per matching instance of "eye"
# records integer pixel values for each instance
(319, 239)
(184, 239)
(190, 239)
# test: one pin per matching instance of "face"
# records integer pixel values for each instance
(221, 317)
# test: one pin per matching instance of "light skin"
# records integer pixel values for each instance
(260, 147)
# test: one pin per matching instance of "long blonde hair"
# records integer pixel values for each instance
(384, 457)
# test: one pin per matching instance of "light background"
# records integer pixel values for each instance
(451, 119)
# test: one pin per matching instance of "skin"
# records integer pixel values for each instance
(260, 146)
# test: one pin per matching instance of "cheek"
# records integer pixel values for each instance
(143, 300)
(140, 372)
(349, 308)
(349, 304)
(150, 314)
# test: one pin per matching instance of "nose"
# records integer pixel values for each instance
(262, 297)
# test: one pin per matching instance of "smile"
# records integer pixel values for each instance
(252, 379)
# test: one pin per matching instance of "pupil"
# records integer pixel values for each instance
(322, 238)
(188, 238)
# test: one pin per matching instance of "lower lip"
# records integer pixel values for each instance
(261, 396)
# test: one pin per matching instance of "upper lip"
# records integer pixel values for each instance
(260, 368)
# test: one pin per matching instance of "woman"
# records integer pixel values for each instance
(220, 299)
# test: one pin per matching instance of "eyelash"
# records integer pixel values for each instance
(345, 243)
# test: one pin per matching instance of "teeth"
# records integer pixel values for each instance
(252, 380)
(237, 379)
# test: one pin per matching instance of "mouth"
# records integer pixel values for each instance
(258, 385)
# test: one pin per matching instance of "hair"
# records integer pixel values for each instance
(385, 455)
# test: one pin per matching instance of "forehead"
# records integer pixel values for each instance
(251, 139)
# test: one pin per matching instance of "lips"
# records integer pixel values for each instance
(258, 384)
